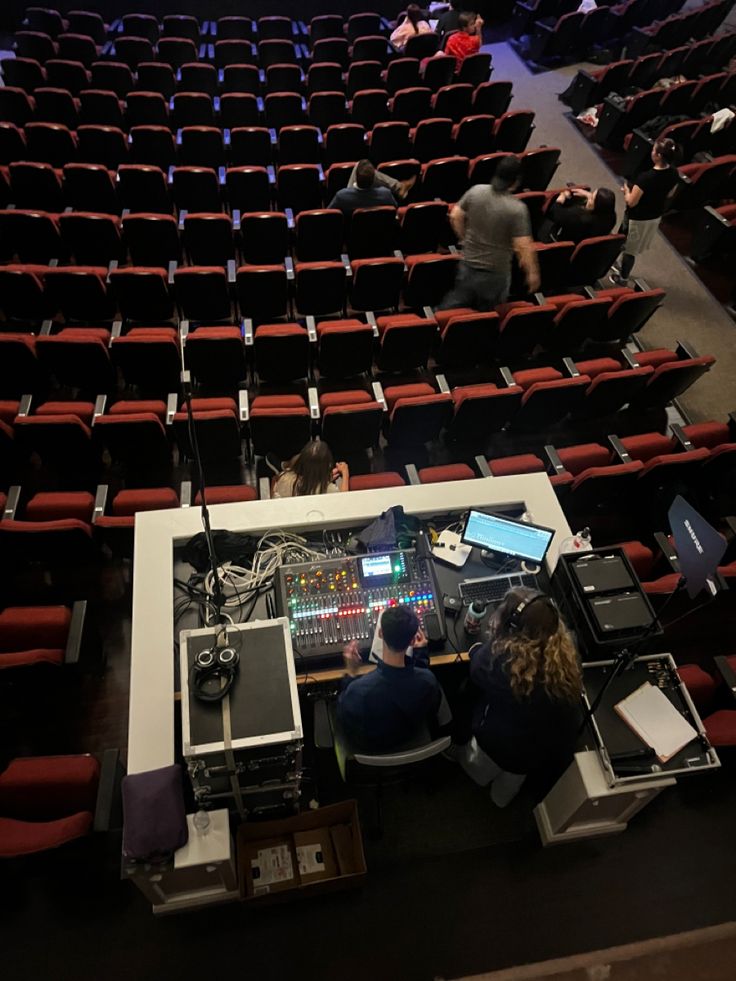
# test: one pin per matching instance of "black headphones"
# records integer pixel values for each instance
(513, 623)
(213, 663)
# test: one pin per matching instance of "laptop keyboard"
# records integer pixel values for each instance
(492, 589)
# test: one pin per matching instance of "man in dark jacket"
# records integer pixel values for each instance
(382, 710)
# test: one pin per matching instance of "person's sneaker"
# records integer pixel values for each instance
(273, 463)
(617, 279)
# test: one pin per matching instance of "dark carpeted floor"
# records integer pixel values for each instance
(434, 904)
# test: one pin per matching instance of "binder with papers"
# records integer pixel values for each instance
(653, 717)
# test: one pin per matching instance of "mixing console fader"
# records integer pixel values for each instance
(334, 601)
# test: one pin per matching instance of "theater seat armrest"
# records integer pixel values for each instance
(345, 260)
(11, 502)
(412, 473)
(313, 398)
(117, 329)
(113, 265)
(679, 434)
(271, 172)
(554, 458)
(641, 285)
(371, 319)
(183, 332)
(108, 810)
(247, 330)
(442, 384)
(185, 494)
(231, 275)
(685, 350)
(539, 298)
(46, 327)
(99, 409)
(243, 406)
(619, 449)
(74, 640)
(236, 219)
(668, 550)
(172, 402)
(100, 502)
(264, 488)
(182, 218)
(589, 292)
(629, 358)
(289, 266)
(378, 394)
(728, 673)
(289, 218)
(311, 329)
(507, 377)
(172, 269)
(482, 464)
(571, 367)
(428, 313)
(24, 408)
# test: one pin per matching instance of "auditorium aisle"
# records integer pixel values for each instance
(690, 312)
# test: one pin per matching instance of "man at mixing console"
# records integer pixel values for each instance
(380, 711)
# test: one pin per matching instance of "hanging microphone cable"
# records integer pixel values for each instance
(217, 596)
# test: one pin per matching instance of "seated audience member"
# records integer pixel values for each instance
(576, 214)
(413, 22)
(369, 188)
(382, 710)
(466, 40)
(311, 471)
(449, 21)
(526, 711)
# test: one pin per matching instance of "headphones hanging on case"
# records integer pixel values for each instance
(210, 664)
(514, 621)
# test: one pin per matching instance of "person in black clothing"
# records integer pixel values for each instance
(450, 20)
(646, 201)
(379, 711)
(526, 713)
(576, 214)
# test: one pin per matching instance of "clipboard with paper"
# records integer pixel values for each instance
(655, 720)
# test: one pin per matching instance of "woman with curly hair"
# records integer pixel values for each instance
(528, 710)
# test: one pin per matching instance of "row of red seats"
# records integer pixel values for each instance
(221, 358)
(705, 57)
(52, 22)
(248, 188)
(94, 294)
(55, 143)
(120, 79)
(280, 112)
(45, 527)
(692, 136)
(69, 436)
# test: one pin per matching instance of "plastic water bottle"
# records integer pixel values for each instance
(474, 618)
(201, 821)
(579, 542)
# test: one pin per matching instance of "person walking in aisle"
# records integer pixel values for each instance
(646, 201)
(492, 226)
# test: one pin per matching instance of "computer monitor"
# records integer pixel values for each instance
(507, 536)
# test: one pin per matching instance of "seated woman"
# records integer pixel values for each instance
(311, 471)
(413, 22)
(526, 711)
(466, 40)
(576, 214)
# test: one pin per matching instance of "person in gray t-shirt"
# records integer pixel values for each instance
(493, 226)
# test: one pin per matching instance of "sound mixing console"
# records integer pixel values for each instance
(334, 601)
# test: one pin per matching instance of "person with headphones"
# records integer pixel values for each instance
(527, 708)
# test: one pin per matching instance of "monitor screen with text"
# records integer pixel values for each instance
(507, 536)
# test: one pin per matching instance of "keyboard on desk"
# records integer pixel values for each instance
(492, 589)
